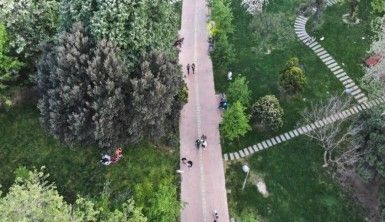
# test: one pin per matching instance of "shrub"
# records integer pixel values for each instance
(267, 112)
(235, 122)
(292, 79)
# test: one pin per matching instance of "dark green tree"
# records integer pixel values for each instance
(154, 90)
(107, 90)
(371, 140)
(292, 79)
(235, 122)
(267, 112)
(63, 81)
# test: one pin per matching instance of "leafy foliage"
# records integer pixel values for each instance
(33, 198)
(267, 112)
(378, 6)
(8, 66)
(271, 31)
(292, 79)
(235, 122)
(254, 6)
(239, 91)
(223, 52)
(371, 141)
(29, 23)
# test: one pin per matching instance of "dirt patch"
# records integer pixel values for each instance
(258, 181)
(365, 193)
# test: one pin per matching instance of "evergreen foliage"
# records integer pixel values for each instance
(292, 79)
(378, 6)
(235, 122)
(267, 112)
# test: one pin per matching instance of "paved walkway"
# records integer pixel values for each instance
(203, 186)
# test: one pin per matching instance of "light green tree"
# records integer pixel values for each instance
(239, 91)
(235, 122)
(33, 198)
(378, 6)
(8, 66)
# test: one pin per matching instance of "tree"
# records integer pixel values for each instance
(254, 6)
(292, 79)
(33, 198)
(239, 91)
(72, 11)
(107, 90)
(333, 138)
(222, 16)
(29, 23)
(271, 31)
(371, 141)
(8, 66)
(223, 53)
(267, 112)
(235, 122)
(378, 6)
(154, 90)
(63, 81)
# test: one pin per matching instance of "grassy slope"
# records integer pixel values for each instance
(299, 188)
(262, 72)
(344, 42)
(77, 170)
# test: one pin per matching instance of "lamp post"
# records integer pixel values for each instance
(245, 169)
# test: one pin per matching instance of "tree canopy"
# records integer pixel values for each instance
(292, 79)
(235, 122)
(239, 91)
(267, 112)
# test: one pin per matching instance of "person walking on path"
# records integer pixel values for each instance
(189, 164)
(198, 143)
(184, 160)
(193, 68)
(188, 69)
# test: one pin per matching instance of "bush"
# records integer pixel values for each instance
(267, 112)
(292, 79)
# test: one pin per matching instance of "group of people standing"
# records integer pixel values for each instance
(108, 159)
(192, 68)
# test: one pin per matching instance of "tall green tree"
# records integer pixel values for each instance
(8, 66)
(239, 91)
(222, 16)
(292, 79)
(154, 90)
(267, 112)
(371, 140)
(235, 122)
(107, 90)
(33, 198)
(29, 23)
(63, 81)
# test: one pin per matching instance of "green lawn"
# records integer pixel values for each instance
(77, 170)
(345, 42)
(262, 72)
(299, 188)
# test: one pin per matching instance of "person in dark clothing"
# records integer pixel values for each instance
(189, 164)
(184, 160)
(193, 68)
(188, 69)
(198, 143)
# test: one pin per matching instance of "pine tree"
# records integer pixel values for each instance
(153, 94)
(109, 83)
(65, 104)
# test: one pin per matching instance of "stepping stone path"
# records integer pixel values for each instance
(327, 59)
(304, 129)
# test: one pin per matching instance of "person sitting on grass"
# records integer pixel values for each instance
(106, 160)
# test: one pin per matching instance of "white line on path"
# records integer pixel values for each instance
(198, 113)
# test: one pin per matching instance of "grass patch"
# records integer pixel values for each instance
(344, 42)
(262, 72)
(299, 189)
(77, 170)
